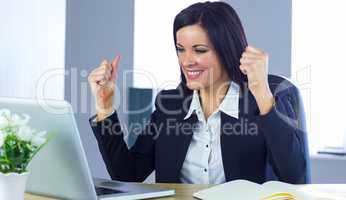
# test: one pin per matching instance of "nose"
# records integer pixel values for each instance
(188, 60)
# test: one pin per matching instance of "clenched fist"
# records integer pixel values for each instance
(102, 83)
(254, 64)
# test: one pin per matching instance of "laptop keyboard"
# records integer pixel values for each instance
(105, 191)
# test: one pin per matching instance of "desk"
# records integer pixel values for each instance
(185, 191)
(182, 191)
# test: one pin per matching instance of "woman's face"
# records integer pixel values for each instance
(198, 59)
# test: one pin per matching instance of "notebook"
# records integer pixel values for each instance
(271, 190)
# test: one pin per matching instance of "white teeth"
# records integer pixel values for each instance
(194, 72)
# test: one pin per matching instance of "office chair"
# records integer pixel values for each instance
(140, 107)
(284, 85)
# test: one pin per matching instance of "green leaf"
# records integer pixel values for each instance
(16, 154)
(49, 137)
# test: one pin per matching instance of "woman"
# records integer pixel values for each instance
(220, 124)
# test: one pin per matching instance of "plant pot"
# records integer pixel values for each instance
(12, 185)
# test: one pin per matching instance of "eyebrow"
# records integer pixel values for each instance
(194, 46)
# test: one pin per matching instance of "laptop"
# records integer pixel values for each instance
(60, 169)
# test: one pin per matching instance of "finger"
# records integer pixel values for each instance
(99, 81)
(243, 69)
(101, 71)
(248, 60)
(114, 65)
(104, 64)
(102, 82)
(254, 50)
(248, 54)
(97, 78)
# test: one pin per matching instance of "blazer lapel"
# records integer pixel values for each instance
(228, 145)
(180, 141)
(183, 141)
(232, 139)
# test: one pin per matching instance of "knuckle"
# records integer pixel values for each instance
(103, 66)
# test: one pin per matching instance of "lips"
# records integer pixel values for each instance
(193, 74)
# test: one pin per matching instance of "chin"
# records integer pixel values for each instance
(194, 85)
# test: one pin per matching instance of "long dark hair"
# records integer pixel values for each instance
(225, 32)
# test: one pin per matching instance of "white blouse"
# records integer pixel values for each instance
(203, 161)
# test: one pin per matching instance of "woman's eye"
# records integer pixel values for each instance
(180, 49)
(201, 50)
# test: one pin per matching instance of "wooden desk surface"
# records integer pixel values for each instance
(185, 191)
(182, 191)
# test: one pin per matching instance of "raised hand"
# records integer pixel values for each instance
(254, 64)
(102, 83)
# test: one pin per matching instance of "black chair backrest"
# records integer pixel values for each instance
(140, 107)
(284, 85)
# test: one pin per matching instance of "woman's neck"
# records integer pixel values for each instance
(212, 97)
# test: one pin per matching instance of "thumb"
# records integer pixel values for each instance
(114, 66)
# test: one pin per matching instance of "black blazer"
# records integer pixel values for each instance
(248, 144)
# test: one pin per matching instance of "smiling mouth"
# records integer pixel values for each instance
(193, 74)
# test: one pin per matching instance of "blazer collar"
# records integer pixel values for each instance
(229, 105)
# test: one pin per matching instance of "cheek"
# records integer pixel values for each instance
(204, 61)
(212, 67)
(201, 61)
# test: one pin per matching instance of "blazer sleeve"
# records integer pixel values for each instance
(285, 137)
(124, 164)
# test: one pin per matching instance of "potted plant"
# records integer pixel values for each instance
(18, 145)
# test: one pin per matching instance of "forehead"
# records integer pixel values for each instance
(192, 34)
